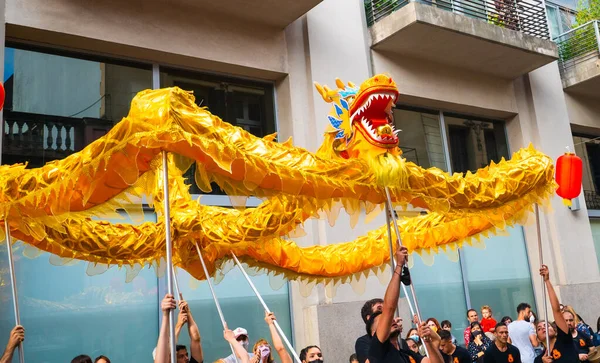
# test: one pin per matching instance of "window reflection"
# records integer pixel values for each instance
(595, 224)
(588, 149)
(441, 282)
(420, 138)
(499, 275)
(474, 144)
(56, 105)
(66, 312)
(240, 307)
(246, 104)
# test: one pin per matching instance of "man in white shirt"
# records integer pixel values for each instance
(241, 335)
(522, 334)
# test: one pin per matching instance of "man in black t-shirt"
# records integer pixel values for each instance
(562, 349)
(361, 347)
(385, 347)
(450, 352)
(582, 341)
(501, 351)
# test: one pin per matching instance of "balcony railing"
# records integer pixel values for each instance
(578, 45)
(527, 16)
(592, 199)
(37, 139)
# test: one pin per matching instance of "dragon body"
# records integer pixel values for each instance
(53, 208)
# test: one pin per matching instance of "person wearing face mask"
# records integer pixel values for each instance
(311, 354)
(414, 336)
(413, 345)
(433, 324)
(478, 343)
(262, 349)
(241, 335)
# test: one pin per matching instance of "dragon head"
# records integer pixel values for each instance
(361, 121)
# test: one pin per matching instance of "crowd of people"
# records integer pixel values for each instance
(568, 339)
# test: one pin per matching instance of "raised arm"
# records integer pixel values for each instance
(162, 346)
(392, 293)
(182, 319)
(432, 341)
(17, 335)
(239, 351)
(194, 332)
(558, 316)
(276, 339)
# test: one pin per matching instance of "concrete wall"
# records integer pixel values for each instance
(566, 235)
(310, 41)
(584, 112)
(170, 34)
(422, 83)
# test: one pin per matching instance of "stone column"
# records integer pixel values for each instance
(566, 235)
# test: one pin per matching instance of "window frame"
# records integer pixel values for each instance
(446, 146)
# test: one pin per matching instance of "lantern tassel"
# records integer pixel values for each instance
(567, 202)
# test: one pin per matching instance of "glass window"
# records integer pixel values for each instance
(66, 312)
(474, 143)
(420, 138)
(441, 282)
(589, 152)
(240, 307)
(569, 4)
(56, 105)
(499, 275)
(595, 224)
(246, 104)
(553, 21)
(560, 19)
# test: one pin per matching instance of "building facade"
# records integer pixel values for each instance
(478, 80)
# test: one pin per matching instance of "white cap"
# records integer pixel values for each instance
(240, 331)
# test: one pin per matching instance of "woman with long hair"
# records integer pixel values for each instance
(433, 324)
(414, 335)
(262, 350)
(478, 343)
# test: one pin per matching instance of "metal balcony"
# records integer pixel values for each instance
(579, 63)
(592, 199)
(504, 38)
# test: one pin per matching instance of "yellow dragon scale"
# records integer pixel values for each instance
(50, 207)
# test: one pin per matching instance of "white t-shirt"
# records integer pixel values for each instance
(519, 332)
(231, 358)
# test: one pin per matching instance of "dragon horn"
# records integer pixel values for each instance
(339, 83)
(325, 92)
(351, 85)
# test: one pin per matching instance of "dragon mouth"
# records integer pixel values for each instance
(375, 119)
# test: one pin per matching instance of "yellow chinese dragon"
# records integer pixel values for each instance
(54, 208)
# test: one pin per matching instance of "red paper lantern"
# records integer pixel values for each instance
(1, 96)
(569, 171)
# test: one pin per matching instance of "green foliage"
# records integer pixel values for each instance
(579, 43)
(587, 10)
(378, 7)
